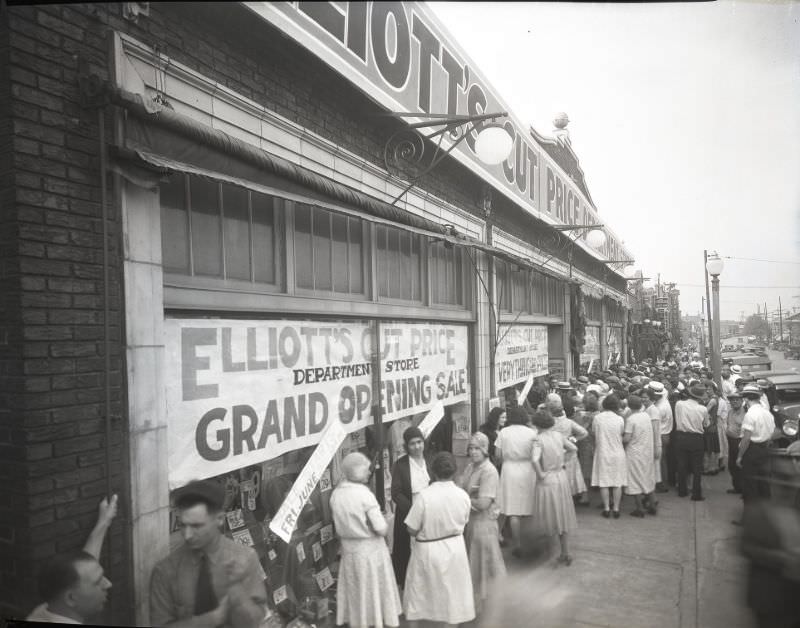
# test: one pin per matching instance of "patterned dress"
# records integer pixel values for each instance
(586, 445)
(367, 591)
(553, 509)
(482, 536)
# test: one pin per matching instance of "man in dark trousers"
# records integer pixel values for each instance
(691, 418)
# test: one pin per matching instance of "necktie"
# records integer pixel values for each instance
(205, 599)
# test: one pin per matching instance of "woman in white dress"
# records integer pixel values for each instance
(438, 581)
(609, 468)
(641, 434)
(554, 510)
(367, 591)
(514, 448)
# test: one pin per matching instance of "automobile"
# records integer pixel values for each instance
(765, 374)
(783, 393)
(748, 361)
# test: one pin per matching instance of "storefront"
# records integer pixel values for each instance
(269, 277)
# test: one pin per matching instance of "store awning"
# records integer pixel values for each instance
(159, 140)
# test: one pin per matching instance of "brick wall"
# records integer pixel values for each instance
(52, 414)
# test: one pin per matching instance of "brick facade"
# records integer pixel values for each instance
(52, 348)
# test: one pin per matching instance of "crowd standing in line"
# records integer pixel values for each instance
(636, 431)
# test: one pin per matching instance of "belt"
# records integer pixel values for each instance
(689, 433)
(441, 538)
(761, 444)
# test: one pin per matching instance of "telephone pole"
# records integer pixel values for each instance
(708, 300)
(780, 318)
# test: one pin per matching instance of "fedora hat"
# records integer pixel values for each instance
(697, 390)
(735, 368)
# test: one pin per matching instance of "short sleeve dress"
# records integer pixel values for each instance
(554, 510)
(482, 536)
(367, 592)
(517, 478)
(639, 454)
(438, 580)
(609, 467)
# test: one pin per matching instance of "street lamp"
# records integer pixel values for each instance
(714, 266)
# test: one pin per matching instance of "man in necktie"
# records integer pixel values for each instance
(209, 581)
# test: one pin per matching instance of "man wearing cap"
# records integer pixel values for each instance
(757, 428)
(733, 434)
(210, 580)
(691, 419)
(666, 419)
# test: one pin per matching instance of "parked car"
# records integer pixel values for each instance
(749, 362)
(792, 352)
(783, 393)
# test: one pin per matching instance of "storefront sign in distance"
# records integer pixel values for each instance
(521, 353)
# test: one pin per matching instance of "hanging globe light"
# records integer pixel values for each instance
(596, 238)
(493, 144)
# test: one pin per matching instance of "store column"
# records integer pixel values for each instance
(603, 333)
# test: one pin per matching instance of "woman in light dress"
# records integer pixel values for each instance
(553, 510)
(366, 594)
(514, 448)
(481, 482)
(438, 582)
(609, 469)
(642, 440)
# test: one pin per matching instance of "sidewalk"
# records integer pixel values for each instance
(679, 569)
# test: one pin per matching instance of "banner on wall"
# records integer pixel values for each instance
(521, 353)
(243, 392)
(591, 348)
(614, 345)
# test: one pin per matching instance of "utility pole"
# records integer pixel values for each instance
(708, 300)
(766, 319)
(780, 318)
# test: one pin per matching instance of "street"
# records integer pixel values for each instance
(679, 569)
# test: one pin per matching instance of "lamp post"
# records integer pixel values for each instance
(714, 266)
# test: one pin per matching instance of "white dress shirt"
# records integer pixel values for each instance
(690, 416)
(759, 422)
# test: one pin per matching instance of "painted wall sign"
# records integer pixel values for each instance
(591, 348)
(241, 392)
(400, 55)
(521, 353)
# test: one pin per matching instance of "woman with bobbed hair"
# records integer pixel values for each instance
(609, 469)
(495, 422)
(481, 481)
(584, 418)
(438, 583)
(366, 594)
(410, 474)
(514, 448)
(553, 508)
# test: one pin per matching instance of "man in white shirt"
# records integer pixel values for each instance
(763, 399)
(658, 393)
(758, 426)
(728, 383)
(736, 373)
(691, 418)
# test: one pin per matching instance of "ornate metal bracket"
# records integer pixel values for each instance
(408, 154)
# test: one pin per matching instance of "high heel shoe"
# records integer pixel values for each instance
(566, 560)
(616, 514)
(606, 513)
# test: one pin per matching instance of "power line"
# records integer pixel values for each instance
(725, 287)
(753, 259)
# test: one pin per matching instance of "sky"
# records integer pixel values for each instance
(685, 118)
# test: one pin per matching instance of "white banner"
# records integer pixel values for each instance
(432, 419)
(591, 348)
(422, 363)
(521, 353)
(243, 392)
(523, 394)
(285, 520)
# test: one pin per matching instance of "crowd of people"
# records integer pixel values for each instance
(634, 430)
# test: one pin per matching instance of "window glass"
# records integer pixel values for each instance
(322, 250)
(520, 301)
(339, 266)
(398, 264)
(303, 250)
(236, 230)
(174, 225)
(502, 286)
(264, 237)
(206, 242)
(539, 293)
(355, 255)
(446, 273)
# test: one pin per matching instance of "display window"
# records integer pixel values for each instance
(252, 399)
(590, 355)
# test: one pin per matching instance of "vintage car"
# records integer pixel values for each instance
(748, 361)
(783, 393)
